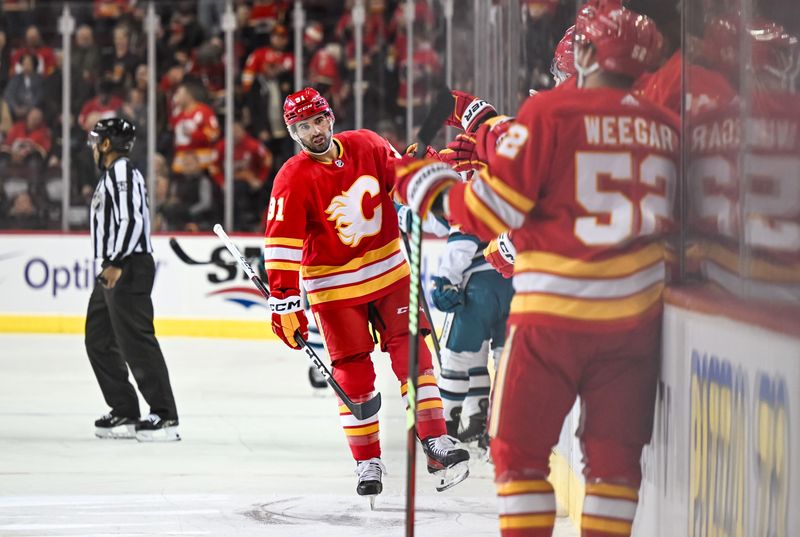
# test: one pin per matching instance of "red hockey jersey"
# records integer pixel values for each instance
(750, 201)
(262, 59)
(588, 178)
(196, 129)
(336, 224)
(706, 89)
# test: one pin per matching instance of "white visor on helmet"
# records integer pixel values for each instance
(93, 139)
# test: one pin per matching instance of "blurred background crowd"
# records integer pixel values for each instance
(109, 76)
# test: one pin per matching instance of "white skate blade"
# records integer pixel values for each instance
(167, 434)
(450, 477)
(119, 432)
(372, 501)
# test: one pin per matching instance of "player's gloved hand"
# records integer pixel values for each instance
(446, 296)
(469, 112)
(429, 151)
(488, 136)
(461, 154)
(501, 254)
(288, 316)
(419, 182)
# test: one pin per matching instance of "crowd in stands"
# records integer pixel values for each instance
(109, 77)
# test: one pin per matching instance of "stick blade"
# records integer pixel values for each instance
(368, 408)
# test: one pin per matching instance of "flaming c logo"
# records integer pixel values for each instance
(348, 213)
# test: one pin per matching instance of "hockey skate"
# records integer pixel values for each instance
(155, 429)
(447, 462)
(476, 427)
(369, 474)
(115, 427)
(454, 421)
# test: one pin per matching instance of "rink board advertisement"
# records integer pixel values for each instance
(723, 460)
(46, 280)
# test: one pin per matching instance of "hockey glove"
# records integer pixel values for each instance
(500, 254)
(461, 154)
(469, 112)
(419, 182)
(446, 296)
(429, 151)
(288, 316)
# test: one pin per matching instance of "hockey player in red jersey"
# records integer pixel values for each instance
(331, 221)
(586, 173)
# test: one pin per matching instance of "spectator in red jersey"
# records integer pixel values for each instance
(24, 90)
(423, 22)
(27, 144)
(265, 15)
(273, 62)
(266, 81)
(324, 75)
(252, 168)
(120, 64)
(46, 59)
(374, 33)
(104, 105)
(194, 126)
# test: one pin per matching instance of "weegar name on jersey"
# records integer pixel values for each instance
(629, 130)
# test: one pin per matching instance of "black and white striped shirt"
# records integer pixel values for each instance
(120, 214)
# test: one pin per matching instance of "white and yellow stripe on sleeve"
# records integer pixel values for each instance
(282, 253)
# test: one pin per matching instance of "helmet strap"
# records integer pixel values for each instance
(583, 72)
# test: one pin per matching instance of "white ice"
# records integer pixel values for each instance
(262, 453)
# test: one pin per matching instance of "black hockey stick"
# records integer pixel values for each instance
(362, 410)
(182, 255)
(441, 109)
(425, 307)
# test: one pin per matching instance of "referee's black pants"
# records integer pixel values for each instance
(119, 331)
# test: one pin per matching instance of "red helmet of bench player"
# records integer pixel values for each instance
(563, 66)
(304, 104)
(624, 41)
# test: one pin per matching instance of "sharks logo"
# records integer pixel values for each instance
(348, 213)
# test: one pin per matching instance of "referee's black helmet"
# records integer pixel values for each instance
(119, 131)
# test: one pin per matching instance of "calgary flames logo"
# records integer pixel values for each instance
(347, 211)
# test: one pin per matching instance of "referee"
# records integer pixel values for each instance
(119, 320)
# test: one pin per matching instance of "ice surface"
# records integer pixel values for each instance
(262, 452)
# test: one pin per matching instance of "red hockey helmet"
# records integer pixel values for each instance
(625, 42)
(720, 45)
(563, 65)
(304, 104)
(774, 52)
